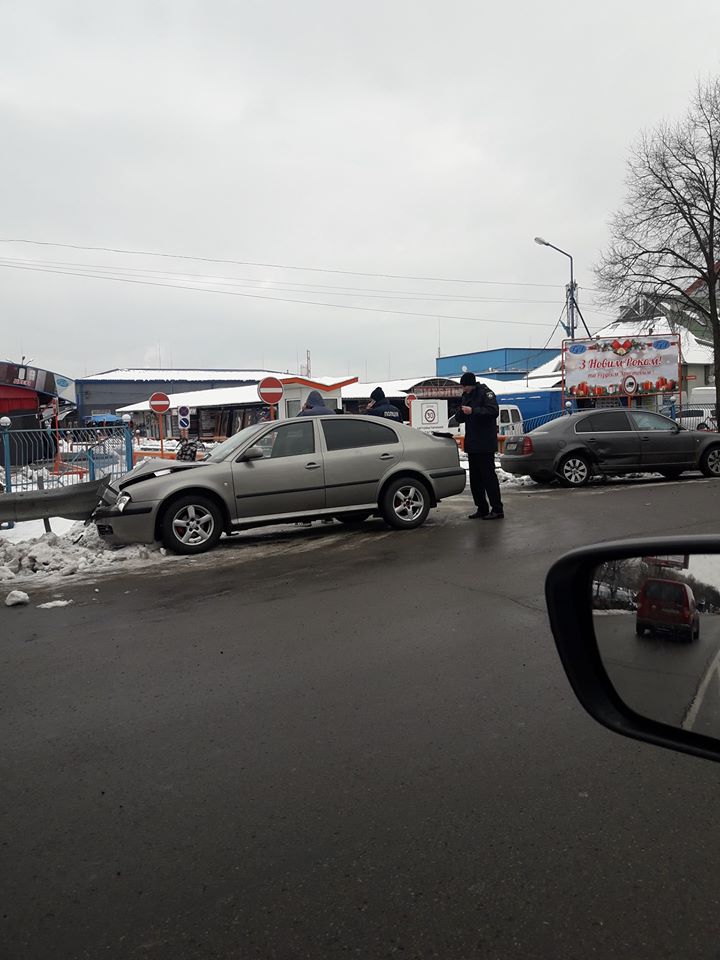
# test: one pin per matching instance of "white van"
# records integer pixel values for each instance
(510, 422)
(702, 397)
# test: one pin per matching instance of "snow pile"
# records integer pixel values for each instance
(79, 550)
(51, 604)
(31, 529)
(510, 480)
(16, 598)
(506, 479)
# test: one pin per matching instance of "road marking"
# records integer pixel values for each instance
(694, 708)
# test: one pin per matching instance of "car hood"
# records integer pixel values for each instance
(146, 469)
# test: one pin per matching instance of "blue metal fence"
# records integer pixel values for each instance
(533, 422)
(37, 459)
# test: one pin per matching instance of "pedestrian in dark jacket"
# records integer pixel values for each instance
(479, 412)
(315, 406)
(380, 406)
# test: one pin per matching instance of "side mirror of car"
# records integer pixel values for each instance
(637, 627)
(252, 453)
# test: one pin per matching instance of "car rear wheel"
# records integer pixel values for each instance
(405, 503)
(710, 462)
(575, 470)
(191, 524)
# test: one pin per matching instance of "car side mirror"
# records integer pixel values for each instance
(252, 453)
(637, 627)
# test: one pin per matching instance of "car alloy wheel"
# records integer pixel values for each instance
(405, 503)
(408, 503)
(710, 465)
(575, 471)
(193, 525)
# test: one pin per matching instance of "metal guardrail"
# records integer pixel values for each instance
(75, 502)
(44, 459)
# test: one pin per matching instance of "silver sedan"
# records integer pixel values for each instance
(342, 467)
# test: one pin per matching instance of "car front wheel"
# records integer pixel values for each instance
(405, 503)
(191, 524)
(710, 462)
(575, 470)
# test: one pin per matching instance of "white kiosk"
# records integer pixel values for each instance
(298, 388)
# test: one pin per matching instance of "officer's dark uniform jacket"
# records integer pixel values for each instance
(481, 424)
(387, 410)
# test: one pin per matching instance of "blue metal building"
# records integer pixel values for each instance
(506, 363)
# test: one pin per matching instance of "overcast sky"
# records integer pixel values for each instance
(416, 139)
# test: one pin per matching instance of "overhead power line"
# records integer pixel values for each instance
(372, 293)
(274, 266)
(255, 296)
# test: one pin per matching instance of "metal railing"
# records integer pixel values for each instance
(531, 423)
(41, 459)
(694, 416)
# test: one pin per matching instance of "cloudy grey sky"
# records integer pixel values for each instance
(413, 138)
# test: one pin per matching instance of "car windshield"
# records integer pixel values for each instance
(224, 449)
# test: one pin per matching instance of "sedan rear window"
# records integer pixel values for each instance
(609, 421)
(344, 434)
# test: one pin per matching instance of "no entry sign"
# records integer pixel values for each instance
(410, 398)
(271, 391)
(160, 403)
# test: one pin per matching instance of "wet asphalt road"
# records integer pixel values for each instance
(362, 745)
(660, 676)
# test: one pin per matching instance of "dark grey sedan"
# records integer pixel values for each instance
(613, 441)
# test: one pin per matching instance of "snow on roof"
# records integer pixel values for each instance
(222, 397)
(225, 396)
(547, 369)
(142, 374)
(392, 388)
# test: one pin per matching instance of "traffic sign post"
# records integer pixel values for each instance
(160, 404)
(183, 418)
(271, 391)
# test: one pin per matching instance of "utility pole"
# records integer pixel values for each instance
(570, 289)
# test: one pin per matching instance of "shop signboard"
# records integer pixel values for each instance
(621, 366)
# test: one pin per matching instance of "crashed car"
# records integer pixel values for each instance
(348, 468)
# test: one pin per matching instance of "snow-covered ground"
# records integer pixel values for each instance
(28, 553)
(506, 479)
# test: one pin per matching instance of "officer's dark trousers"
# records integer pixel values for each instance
(484, 484)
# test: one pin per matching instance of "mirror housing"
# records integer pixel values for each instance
(568, 593)
(252, 453)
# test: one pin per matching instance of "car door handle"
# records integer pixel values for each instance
(644, 439)
(387, 456)
(312, 465)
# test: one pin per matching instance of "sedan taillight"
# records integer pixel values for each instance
(527, 445)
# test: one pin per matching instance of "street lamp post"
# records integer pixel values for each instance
(570, 289)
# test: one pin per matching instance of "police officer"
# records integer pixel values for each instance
(380, 406)
(479, 412)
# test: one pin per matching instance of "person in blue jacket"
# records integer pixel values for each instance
(315, 406)
(380, 406)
